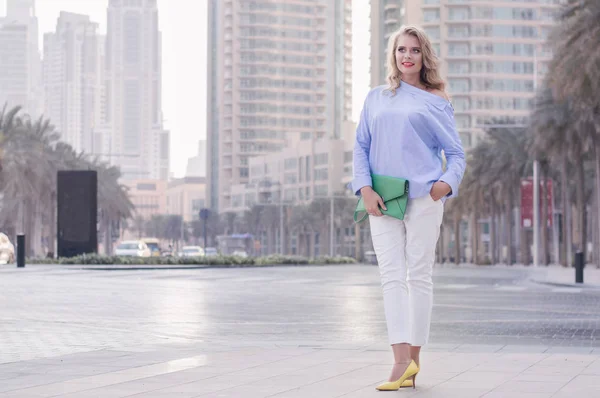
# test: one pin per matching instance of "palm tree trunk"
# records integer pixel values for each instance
(581, 210)
(28, 227)
(509, 226)
(475, 238)
(107, 236)
(524, 242)
(544, 217)
(438, 245)
(37, 228)
(564, 185)
(357, 243)
(52, 240)
(597, 207)
(493, 235)
(457, 240)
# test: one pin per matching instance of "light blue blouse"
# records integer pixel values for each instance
(403, 136)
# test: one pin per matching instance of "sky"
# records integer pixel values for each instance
(184, 63)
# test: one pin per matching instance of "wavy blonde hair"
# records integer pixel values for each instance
(430, 75)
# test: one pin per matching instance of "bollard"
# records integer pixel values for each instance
(579, 267)
(20, 251)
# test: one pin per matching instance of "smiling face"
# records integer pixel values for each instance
(409, 55)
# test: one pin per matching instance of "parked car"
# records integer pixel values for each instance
(370, 257)
(240, 253)
(133, 248)
(192, 251)
(7, 250)
(211, 252)
(153, 245)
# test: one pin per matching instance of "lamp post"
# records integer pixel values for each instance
(332, 199)
(281, 226)
(536, 193)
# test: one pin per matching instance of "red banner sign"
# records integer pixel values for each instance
(527, 202)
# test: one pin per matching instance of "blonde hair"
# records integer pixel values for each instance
(430, 75)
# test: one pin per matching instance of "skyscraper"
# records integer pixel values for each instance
(73, 76)
(275, 67)
(137, 141)
(20, 64)
(14, 82)
(387, 16)
(492, 54)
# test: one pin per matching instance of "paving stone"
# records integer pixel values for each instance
(288, 332)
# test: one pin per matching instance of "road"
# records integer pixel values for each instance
(53, 311)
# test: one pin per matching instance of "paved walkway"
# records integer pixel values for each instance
(288, 332)
(292, 370)
(566, 276)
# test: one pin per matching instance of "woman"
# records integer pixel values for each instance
(403, 128)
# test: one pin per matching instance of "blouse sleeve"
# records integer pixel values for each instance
(449, 140)
(361, 169)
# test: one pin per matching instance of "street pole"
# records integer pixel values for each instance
(182, 233)
(331, 227)
(203, 216)
(536, 182)
(555, 227)
(536, 212)
(204, 231)
(281, 234)
(567, 219)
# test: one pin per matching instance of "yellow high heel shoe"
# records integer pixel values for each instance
(409, 382)
(410, 372)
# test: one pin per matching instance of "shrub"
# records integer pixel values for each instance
(225, 261)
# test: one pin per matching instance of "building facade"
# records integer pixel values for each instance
(137, 142)
(14, 84)
(493, 53)
(186, 196)
(149, 197)
(387, 16)
(275, 67)
(196, 165)
(308, 172)
(73, 80)
(306, 169)
(20, 63)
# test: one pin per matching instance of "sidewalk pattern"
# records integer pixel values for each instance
(288, 332)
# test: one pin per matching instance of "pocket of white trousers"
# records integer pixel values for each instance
(431, 197)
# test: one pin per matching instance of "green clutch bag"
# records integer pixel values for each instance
(393, 191)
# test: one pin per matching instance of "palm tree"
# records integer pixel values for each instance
(576, 41)
(490, 187)
(344, 208)
(253, 219)
(551, 126)
(31, 157)
(302, 221)
(319, 211)
(270, 223)
(26, 175)
(139, 225)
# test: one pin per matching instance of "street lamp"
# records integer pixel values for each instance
(536, 192)
(332, 219)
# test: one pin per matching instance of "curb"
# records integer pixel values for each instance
(100, 267)
(564, 284)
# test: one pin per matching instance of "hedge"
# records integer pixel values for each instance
(93, 259)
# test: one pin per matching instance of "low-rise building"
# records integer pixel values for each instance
(186, 196)
(307, 168)
(148, 197)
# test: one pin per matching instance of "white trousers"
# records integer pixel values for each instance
(406, 253)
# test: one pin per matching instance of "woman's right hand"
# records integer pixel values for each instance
(372, 201)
